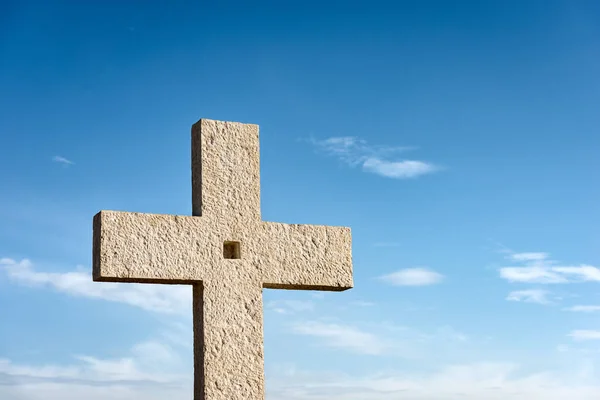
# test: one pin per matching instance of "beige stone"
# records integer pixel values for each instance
(228, 255)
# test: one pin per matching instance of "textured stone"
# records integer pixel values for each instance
(227, 253)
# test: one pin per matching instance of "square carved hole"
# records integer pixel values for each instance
(231, 250)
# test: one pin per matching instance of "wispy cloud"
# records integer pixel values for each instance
(62, 160)
(397, 169)
(449, 334)
(157, 298)
(380, 160)
(413, 277)
(529, 296)
(483, 380)
(385, 339)
(342, 336)
(532, 275)
(148, 371)
(539, 268)
(583, 334)
(475, 381)
(534, 256)
(583, 309)
(136, 367)
(290, 306)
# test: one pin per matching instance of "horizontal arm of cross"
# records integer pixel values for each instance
(154, 248)
(150, 248)
(306, 257)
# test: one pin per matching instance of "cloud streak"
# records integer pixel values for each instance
(342, 336)
(384, 340)
(583, 309)
(412, 277)
(144, 372)
(135, 367)
(289, 306)
(62, 160)
(474, 381)
(170, 299)
(539, 268)
(378, 160)
(583, 334)
(529, 296)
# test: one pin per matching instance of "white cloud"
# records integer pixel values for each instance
(147, 372)
(533, 256)
(582, 273)
(179, 334)
(62, 160)
(151, 297)
(148, 362)
(532, 275)
(446, 334)
(341, 336)
(562, 348)
(60, 390)
(374, 159)
(529, 296)
(585, 335)
(128, 378)
(585, 309)
(385, 339)
(289, 306)
(397, 169)
(476, 381)
(538, 268)
(413, 277)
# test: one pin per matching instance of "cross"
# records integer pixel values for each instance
(228, 255)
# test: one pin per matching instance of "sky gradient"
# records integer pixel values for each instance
(458, 140)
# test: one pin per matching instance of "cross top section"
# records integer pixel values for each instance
(225, 171)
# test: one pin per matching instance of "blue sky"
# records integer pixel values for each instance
(458, 140)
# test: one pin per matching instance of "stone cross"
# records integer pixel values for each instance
(228, 255)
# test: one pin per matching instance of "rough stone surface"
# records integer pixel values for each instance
(227, 253)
